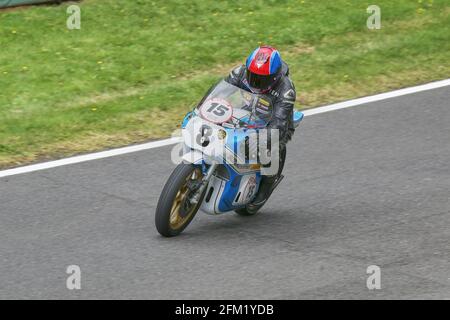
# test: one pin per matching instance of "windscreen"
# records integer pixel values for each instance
(228, 104)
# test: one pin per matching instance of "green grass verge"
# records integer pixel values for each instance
(136, 67)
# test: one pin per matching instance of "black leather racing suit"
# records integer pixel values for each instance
(282, 97)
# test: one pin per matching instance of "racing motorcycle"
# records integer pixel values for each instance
(222, 149)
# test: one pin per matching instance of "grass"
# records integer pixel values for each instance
(136, 67)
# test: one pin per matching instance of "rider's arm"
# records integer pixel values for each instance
(235, 76)
(283, 112)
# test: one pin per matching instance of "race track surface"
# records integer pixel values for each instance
(369, 185)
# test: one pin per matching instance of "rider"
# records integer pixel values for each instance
(266, 74)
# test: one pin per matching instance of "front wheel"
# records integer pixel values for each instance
(174, 212)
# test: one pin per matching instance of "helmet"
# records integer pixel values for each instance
(263, 68)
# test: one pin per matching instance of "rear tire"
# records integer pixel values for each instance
(171, 216)
(245, 212)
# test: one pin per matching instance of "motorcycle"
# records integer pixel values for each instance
(221, 155)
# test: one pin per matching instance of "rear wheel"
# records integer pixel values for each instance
(174, 212)
(246, 211)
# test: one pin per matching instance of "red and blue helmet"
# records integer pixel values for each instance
(263, 68)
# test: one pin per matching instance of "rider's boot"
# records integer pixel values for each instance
(265, 189)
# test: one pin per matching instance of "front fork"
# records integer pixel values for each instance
(197, 195)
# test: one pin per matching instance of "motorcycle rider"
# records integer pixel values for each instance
(267, 75)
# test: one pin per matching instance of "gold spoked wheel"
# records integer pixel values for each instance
(182, 210)
(174, 211)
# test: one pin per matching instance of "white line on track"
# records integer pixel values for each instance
(166, 142)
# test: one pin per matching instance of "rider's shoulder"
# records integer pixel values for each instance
(286, 84)
(285, 81)
(286, 90)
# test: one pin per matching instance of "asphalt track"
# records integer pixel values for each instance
(364, 186)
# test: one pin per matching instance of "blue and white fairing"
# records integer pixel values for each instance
(235, 181)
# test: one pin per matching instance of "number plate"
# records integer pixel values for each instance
(216, 110)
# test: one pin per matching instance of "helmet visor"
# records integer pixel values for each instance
(260, 82)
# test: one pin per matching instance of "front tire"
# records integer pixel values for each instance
(174, 212)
